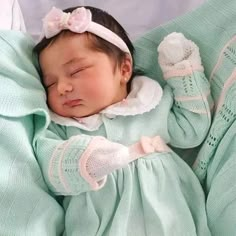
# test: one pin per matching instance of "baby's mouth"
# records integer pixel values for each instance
(73, 103)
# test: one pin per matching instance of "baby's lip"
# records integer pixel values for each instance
(72, 103)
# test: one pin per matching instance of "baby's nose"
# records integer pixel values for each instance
(64, 87)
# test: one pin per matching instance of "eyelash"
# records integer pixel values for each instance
(50, 85)
(77, 71)
(81, 69)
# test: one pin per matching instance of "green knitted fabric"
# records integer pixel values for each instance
(25, 204)
(212, 26)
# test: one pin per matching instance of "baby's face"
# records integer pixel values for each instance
(80, 81)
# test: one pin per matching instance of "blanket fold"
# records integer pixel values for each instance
(27, 208)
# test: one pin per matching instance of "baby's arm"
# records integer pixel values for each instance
(82, 162)
(189, 118)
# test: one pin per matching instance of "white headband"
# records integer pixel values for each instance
(79, 21)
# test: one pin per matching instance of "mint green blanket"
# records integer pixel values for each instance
(26, 206)
(213, 27)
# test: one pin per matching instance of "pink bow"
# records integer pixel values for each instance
(56, 20)
(155, 144)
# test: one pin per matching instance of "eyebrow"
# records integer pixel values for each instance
(74, 60)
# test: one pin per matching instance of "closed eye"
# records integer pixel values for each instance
(49, 81)
(50, 85)
(76, 72)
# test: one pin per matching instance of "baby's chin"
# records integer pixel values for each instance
(86, 114)
(81, 114)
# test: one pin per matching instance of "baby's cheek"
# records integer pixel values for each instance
(98, 95)
(94, 89)
(53, 102)
(98, 91)
(50, 101)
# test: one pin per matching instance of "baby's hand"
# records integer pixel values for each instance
(176, 52)
(174, 48)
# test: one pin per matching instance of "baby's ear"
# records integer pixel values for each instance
(126, 68)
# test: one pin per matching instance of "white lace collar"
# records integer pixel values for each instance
(144, 96)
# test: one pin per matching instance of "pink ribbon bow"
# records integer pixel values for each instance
(155, 144)
(56, 20)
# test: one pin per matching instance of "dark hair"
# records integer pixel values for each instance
(103, 18)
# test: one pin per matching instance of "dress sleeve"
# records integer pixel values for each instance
(190, 115)
(59, 162)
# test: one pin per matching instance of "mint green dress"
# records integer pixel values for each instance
(158, 194)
